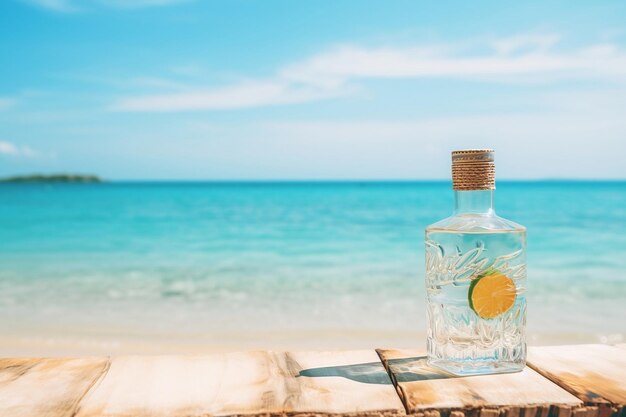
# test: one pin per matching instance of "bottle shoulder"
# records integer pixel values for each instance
(476, 223)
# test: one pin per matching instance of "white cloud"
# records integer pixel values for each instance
(6, 102)
(522, 58)
(11, 149)
(518, 56)
(244, 95)
(7, 148)
(538, 42)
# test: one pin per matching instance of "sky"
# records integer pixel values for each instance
(255, 90)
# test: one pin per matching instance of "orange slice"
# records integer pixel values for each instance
(491, 294)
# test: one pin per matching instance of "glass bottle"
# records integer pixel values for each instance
(476, 277)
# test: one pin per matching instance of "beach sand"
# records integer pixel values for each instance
(46, 343)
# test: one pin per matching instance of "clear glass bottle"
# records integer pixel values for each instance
(476, 277)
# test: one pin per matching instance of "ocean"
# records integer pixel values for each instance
(187, 267)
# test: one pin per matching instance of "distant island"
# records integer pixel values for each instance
(54, 178)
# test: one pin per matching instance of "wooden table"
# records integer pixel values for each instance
(560, 381)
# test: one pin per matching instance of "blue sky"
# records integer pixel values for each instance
(210, 89)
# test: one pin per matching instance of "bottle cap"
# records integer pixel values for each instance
(473, 169)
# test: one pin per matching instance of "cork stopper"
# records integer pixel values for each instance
(473, 169)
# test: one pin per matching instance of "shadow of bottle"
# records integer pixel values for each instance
(404, 370)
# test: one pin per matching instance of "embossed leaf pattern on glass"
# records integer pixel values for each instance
(459, 268)
(456, 332)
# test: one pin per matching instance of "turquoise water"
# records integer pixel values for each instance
(193, 266)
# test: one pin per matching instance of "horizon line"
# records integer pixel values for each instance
(361, 180)
(336, 180)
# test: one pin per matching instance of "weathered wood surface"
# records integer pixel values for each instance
(244, 383)
(594, 373)
(33, 387)
(313, 383)
(423, 388)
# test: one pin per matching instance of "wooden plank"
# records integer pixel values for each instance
(422, 388)
(594, 373)
(244, 383)
(46, 387)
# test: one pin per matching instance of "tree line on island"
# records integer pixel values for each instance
(52, 178)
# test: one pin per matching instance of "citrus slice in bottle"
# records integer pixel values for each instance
(491, 294)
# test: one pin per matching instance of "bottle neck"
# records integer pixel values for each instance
(474, 202)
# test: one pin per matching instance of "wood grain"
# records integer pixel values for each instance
(422, 388)
(244, 383)
(34, 387)
(594, 373)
